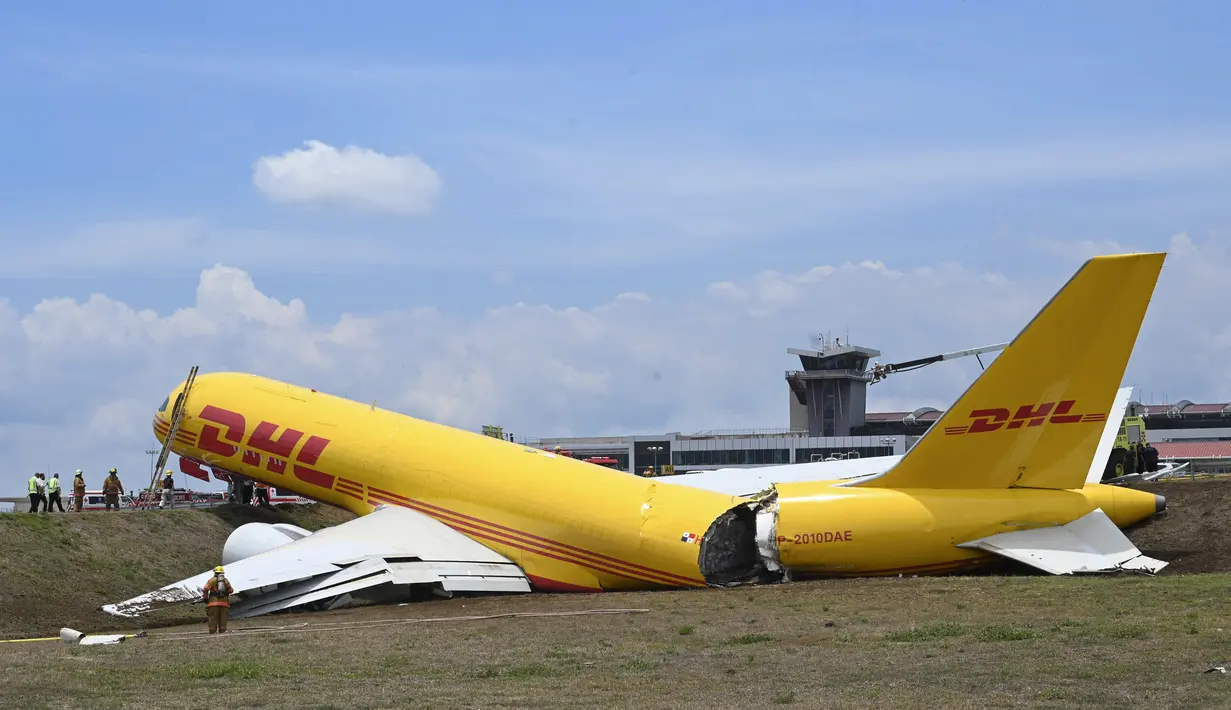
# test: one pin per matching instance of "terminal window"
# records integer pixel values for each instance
(732, 457)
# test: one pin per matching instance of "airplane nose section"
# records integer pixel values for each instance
(1160, 504)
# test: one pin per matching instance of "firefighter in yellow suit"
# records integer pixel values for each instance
(217, 594)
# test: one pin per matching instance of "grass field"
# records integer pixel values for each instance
(951, 642)
(57, 569)
(957, 642)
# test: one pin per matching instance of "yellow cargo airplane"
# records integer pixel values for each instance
(1002, 474)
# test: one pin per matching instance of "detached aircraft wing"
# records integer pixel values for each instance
(382, 553)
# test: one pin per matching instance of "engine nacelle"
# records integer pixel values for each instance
(254, 538)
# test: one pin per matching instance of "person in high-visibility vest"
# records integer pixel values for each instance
(53, 493)
(78, 491)
(33, 486)
(217, 594)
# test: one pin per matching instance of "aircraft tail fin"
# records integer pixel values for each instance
(1035, 417)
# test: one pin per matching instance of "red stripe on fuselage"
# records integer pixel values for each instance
(543, 584)
(619, 568)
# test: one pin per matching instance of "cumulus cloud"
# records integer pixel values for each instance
(356, 177)
(127, 418)
(79, 379)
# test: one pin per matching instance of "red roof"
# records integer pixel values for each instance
(1204, 408)
(1193, 449)
(886, 416)
(1156, 408)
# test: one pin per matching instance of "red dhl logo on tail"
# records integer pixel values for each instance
(1027, 415)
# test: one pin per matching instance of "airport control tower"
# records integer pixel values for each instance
(829, 396)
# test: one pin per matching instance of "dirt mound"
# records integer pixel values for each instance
(58, 569)
(1194, 535)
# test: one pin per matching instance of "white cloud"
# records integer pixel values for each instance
(356, 177)
(79, 379)
(127, 418)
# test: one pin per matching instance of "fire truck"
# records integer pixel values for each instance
(183, 498)
(604, 461)
(281, 495)
(94, 500)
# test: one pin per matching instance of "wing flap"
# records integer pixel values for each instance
(452, 576)
(506, 585)
(1090, 544)
(418, 572)
(302, 589)
(391, 545)
(265, 603)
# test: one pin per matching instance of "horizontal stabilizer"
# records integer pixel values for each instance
(389, 546)
(1090, 544)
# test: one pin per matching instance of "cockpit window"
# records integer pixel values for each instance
(165, 402)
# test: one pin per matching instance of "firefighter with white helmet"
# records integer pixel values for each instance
(78, 491)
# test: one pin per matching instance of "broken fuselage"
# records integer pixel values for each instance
(572, 526)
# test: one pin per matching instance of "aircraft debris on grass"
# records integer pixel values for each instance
(1003, 474)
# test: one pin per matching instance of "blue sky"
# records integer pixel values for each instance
(580, 153)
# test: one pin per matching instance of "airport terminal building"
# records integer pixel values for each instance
(828, 419)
